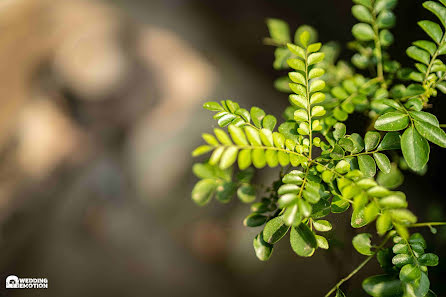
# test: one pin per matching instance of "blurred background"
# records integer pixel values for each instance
(100, 107)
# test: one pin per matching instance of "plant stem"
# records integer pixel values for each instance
(363, 263)
(379, 55)
(427, 224)
(442, 125)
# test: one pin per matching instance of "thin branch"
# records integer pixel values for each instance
(363, 263)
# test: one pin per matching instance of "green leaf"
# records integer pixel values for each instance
(275, 230)
(391, 180)
(292, 216)
(415, 149)
(278, 30)
(322, 225)
(366, 3)
(371, 140)
(362, 244)
(432, 29)
(237, 134)
(386, 19)
(409, 273)
(202, 149)
(257, 116)
(362, 14)
(269, 122)
(428, 46)
(384, 4)
(383, 223)
(423, 116)
(428, 259)
(297, 50)
(225, 192)
(392, 121)
(287, 200)
(244, 159)
(293, 177)
(382, 286)
(418, 54)
(363, 32)
(315, 58)
(229, 157)
(222, 136)
(437, 9)
(213, 106)
(367, 165)
(258, 158)
(262, 248)
(391, 141)
(383, 162)
(432, 133)
(203, 170)
(255, 220)
(203, 191)
(322, 242)
(246, 193)
(303, 241)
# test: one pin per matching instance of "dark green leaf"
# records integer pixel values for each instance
(415, 149)
(246, 193)
(225, 191)
(383, 162)
(432, 29)
(274, 230)
(428, 259)
(432, 133)
(303, 241)
(367, 165)
(382, 286)
(418, 54)
(391, 141)
(392, 121)
(255, 220)
(371, 140)
(437, 9)
(263, 249)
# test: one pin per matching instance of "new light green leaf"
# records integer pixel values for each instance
(203, 191)
(362, 13)
(415, 148)
(362, 244)
(409, 273)
(278, 30)
(363, 32)
(229, 157)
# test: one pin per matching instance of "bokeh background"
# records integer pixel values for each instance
(100, 106)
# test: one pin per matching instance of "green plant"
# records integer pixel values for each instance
(323, 168)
